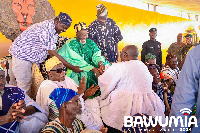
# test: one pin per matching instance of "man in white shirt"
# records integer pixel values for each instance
(126, 89)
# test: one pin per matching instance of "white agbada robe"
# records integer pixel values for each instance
(90, 115)
(126, 89)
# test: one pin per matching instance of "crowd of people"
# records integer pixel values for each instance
(86, 89)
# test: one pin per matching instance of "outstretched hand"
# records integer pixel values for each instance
(82, 86)
(76, 69)
(90, 91)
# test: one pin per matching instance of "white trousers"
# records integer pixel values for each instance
(22, 72)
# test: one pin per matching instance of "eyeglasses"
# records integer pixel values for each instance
(78, 102)
(60, 70)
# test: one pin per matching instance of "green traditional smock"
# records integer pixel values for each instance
(86, 57)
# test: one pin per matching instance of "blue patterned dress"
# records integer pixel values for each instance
(106, 36)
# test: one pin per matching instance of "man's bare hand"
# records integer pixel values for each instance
(103, 129)
(100, 71)
(76, 69)
(90, 91)
(82, 86)
(16, 112)
(102, 67)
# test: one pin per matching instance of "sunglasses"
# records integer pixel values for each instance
(60, 70)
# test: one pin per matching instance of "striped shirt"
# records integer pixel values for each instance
(53, 111)
(56, 127)
(174, 73)
(32, 44)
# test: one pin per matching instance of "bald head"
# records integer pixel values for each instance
(179, 37)
(129, 52)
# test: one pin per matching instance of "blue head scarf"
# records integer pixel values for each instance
(65, 18)
(61, 95)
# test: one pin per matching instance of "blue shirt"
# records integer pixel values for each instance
(187, 89)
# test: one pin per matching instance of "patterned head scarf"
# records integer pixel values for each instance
(101, 10)
(80, 26)
(50, 63)
(1, 68)
(189, 35)
(61, 95)
(65, 19)
(149, 56)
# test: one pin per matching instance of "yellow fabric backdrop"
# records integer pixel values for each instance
(134, 23)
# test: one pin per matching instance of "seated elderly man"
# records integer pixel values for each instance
(126, 89)
(69, 105)
(57, 79)
(84, 53)
(171, 71)
(14, 106)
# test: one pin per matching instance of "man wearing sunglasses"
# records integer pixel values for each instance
(57, 79)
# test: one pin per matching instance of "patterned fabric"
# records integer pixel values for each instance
(65, 19)
(61, 95)
(53, 111)
(173, 73)
(60, 42)
(149, 56)
(56, 127)
(160, 93)
(194, 110)
(86, 58)
(139, 128)
(11, 95)
(32, 44)
(1, 68)
(106, 36)
(80, 26)
(101, 10)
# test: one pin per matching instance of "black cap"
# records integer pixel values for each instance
(152, 29)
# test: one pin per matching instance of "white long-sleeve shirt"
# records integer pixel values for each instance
(126, 89)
